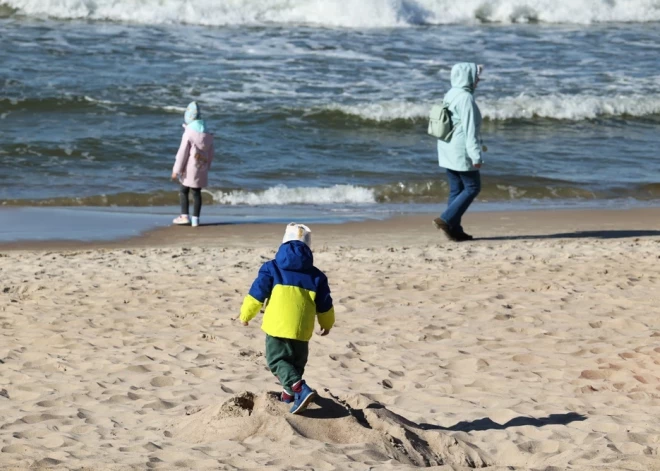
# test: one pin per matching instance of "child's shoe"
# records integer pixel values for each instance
(302, 398)
(195, 221)
(182, 220)
(286, 398)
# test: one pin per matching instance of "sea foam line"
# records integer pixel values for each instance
(283, 195)
(558, 106)
(344, 13)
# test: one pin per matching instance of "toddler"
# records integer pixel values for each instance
(297, 293)
(193, 162)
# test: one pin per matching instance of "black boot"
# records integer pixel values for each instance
(444, 227)
(462, 236)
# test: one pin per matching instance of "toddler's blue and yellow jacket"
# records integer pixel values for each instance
(297, 292)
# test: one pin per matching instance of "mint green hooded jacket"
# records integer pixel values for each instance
(464, 149)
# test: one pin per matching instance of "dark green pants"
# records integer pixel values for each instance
(286, 359)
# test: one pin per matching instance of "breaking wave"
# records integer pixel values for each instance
(521, 107)
(495, 189)
(283, 195)
(340, 13)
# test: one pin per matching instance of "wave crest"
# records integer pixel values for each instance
(495, 189)
(343, 13)
(558, 106)
(522, 107)
(283, 195)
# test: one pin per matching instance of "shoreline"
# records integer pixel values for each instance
(485, 225)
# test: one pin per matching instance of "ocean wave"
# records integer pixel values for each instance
(70, 103)
(570, 107)
(343, 13)
(275, 196)
(77, 103)
(522, 107)
(558, 106)
(495, 189)
(157, 198)
(283, 195)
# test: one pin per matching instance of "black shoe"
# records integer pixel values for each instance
(461, 234)
(444, 227)
(462, 237)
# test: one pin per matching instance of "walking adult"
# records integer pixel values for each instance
(461, 156)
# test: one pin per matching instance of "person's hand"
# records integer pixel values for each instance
(477, 165)
(174, 175)
(245, 323)
(324, 332)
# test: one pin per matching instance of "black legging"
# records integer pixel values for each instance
(197, 199)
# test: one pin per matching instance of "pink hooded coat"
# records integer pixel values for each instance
(193, 160)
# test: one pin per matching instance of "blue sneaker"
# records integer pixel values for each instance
(286, 398)
(302, 399)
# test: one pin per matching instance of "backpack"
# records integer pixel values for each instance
(440, 124)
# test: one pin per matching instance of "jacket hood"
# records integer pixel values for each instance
(294, 256)
(464, 76)
(201, 140)
(198, 125)
(192, 113)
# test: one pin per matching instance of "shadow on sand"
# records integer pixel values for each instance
(331, 409)
(579, 235)
(488, 424)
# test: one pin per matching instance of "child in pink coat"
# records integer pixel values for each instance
(193, 162)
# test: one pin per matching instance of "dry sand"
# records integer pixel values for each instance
(537, 348)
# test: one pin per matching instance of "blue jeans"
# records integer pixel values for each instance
(463, 189)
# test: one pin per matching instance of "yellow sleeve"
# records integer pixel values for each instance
(327, 319)
(250, 308)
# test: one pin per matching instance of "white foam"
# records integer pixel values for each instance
(382, 112)
(570, 107)
(557, 106)
(283, 195)
(97, 101)
(344, 13)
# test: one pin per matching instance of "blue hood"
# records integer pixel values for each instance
(198, 125)
(294, 256)
(192, 113)
(464, 76)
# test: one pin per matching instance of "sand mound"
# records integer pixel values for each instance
(345, 423)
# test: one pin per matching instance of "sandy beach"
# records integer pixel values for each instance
(535, 347)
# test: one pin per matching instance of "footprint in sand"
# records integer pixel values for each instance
(163, 381)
